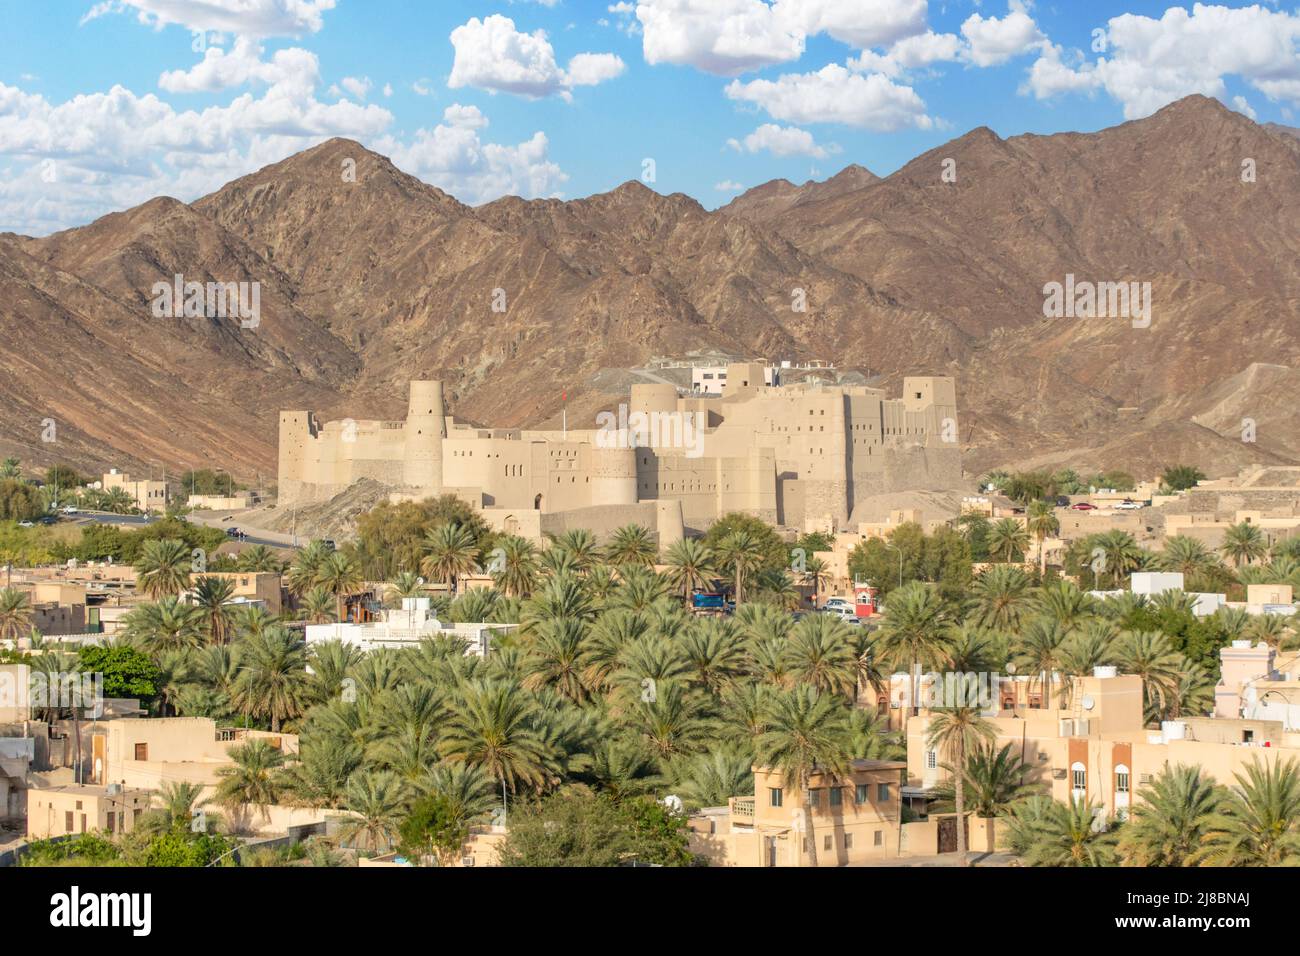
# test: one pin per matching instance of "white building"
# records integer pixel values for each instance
(407, 626)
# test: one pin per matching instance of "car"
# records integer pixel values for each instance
(233, 532)
(26, 524)
(69, 509)
(329, 544)
(835, 602)
(1062, 501)
(1128, 504)
(845, 612)
(1082, 506)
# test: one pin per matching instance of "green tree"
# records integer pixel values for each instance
(163, 568)
(128, 673)
(1181, 477)
(957, 732)
(1046, 832)
(914, 632)
(1258, 824)
(1171, 819)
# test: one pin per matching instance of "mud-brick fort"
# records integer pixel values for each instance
(789, 454)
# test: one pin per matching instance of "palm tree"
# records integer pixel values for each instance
(376, 800)
(302, 573)
(711, 779)
(318, 606)
(1048, 833)
(340, 575)
(1064, 603)
(1243, 543)
(1000, 597)
(1171, 819)
(1039, 650)
(272, 679)
(806, 734)
(623, 767)
(451, 551)
(1258, 824)
(1041, 522)
(994, 781)
(671, 718)
(690, 565)
(253, 778)
(556, 658)
(515, 570)
(1188, 556)
(817, 574)
(742, 553)
(821, 652)
(1119, 552)
(491, 727)
(319, 776)
(467, 791)
(163, 568)
(580, 545)
(1149, 655)
(407, 584)
(210, 596)
(258, 558)
(958, 731)
(15, 613)
(171, 624)
(914, 632)
(10, 468)
(1007, 538)
(119, 501)
(179, 799)
(631, 545)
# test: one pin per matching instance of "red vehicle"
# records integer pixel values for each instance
(1082, 506)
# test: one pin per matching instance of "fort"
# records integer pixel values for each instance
(789, 454)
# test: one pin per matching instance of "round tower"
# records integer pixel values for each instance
(613, 476)
(426, 427)
(653, 398)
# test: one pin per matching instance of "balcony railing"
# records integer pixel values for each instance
(742, 809)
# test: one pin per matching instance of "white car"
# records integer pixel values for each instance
(69, 509)
(1129, 506)
(836, 602)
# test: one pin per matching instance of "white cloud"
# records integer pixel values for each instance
(359, 87)
(859, 23)
(423, 86)
(1242, 105)
(470, 117)
(256, 18)
(992, 41)
(388, 89)
(910, 53)
(1150, 63)
(729, 186)
(455, 159)
(835, 95)
(727, 37)
(780, 141)
(492, 55)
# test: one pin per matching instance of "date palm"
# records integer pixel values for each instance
(15, 613)
(272, 681)
(170, 624)
(319, 606)
(690, 566)
(915, 631)
(451, 551)
(514, 566)
(1049, 833)
(1039, 651)
(556, 658)
(1118, 554)
(1188, 556)
(258, 558)
(376, 803)
(1041, 523)
(715, 652)
(253, 778)
(1007, 538)
(580, 545)
(1000, 598)
(340, 575)
(821, 653)
(1149, 655)
(957, 732)
(1243, 543)
(742, 555)
(631, 545)
(1171, 819)
(806, 733)
(492, 726)
(163, 568)
(1258, 823)
(210, 596)
(320, 774)
(302, 573)
(177, 801)
(671, 718)
(711, 779)
(994, 781)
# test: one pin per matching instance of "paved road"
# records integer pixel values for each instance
(268, 538)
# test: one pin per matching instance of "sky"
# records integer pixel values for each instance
(107, 103)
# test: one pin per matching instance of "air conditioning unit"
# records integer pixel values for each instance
(1081, 726)
(1144, 778)
(1066, 727)
(466, 861)
(1058, 773)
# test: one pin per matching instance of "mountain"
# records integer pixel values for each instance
(370, 277)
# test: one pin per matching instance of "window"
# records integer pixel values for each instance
(882, 792)
(826, 842)
(860, 796)
(879, 838)
(837, 796)
(931, 760)
(141, 751)
(774, 796)
(1121, 781)
(848, 841)
(814, 799)
(1079, 777)
(1248, 736)
(67, 821)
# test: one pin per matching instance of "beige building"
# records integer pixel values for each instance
(58, 811)
(853, 819)
(783, 453)
(149, 495)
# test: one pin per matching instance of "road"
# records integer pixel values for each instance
(268, 538)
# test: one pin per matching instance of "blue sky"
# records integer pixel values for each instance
(106, 104)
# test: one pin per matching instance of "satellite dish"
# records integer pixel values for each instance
(673, 802)
(1088, 702)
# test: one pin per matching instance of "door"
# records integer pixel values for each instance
(771, 851)
(948, 834)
